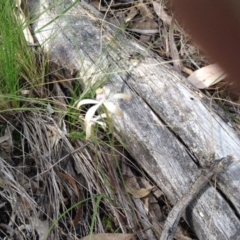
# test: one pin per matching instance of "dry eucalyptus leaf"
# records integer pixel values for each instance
(147, 27)
(50, 109)
(109, 236)
(146, 204)
(72, 181)
(187, 70)
(132, 13)
(54, 134)
(144, 11)
(158, 193)
(145, 38)
(138, 193)
(158, 8)
(25, 92)
(4, 138)
(2, 204)
(2, 182)
(41, 227)
(98, 6)
(206, 76)
(6, 141)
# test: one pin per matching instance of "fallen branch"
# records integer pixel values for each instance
(168, 127)
(176, 213)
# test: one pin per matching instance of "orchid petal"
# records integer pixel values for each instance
(88, 130)
(111, 107)
(90, 113)
(102, 124)
(96, 120)
(100, 97)
(85, 101)
(101, 116)
(121, 96)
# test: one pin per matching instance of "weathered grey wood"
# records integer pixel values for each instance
(176, 213)
(168, 127)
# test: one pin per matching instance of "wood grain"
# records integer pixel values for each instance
(170, 128)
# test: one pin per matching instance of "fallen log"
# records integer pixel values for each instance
(170, 128)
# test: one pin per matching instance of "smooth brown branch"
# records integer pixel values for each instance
(206, 175)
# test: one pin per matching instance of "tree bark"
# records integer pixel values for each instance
(170, 128)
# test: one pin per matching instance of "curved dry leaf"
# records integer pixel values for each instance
(158, 8)
(6, 141)
(146, 204)
(144, 11)
(206, 76)
(2, 204)
(72, 181)
(138, 193)
(109, 236)
(53, 134)
(98, 6)
(50, 109)
(132, 13)
(149, 26)
(2, 183)
(41, 227)
(4, 138)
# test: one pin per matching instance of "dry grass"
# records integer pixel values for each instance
(44, 174)
(54, 185)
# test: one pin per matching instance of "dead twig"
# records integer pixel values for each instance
(206, 175)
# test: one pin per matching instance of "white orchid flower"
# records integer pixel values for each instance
(101, 100)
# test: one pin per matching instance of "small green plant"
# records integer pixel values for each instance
(17, 60)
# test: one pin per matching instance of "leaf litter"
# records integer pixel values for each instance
(43, 173)
(109, 236)
(154, 25)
